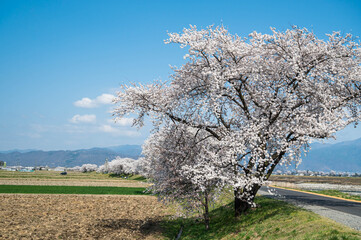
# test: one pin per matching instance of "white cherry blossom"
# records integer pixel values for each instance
(257, 102)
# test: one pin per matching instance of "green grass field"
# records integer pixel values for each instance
(70, 190)
(52, 175)
(71, 175)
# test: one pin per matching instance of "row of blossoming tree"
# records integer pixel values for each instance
(240, 106)
(117, 166)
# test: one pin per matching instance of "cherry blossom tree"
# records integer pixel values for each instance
(88, 168)
(260, 99)
(119, 166)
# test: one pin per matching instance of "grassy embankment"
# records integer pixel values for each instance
(273, 220)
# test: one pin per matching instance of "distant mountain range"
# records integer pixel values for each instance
(344, 156)
(68, 158)
(19, 150)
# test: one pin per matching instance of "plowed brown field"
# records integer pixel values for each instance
(37, 216)
(73, 182)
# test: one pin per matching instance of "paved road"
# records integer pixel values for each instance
(342, 211)
(349, 207)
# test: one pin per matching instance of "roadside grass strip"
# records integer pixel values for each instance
(326, 193)
(337, 193)
(35, 189)
(273, 220)
(316, 179)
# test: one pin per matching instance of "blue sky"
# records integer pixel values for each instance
(60, 61)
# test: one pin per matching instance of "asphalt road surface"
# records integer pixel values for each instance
(342, 211)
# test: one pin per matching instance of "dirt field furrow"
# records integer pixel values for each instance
(73, 182)
(79, 217)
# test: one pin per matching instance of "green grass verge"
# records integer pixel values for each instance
(316, 179)
(334, 193)
(339, 194)
(70, 190)
(273, 220)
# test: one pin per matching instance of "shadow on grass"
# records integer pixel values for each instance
(223, 223)
(139, 178)
(113, 175)
(142, 228)
(128, 177)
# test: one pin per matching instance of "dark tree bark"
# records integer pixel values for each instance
(241, 206)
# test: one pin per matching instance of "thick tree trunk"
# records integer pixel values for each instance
(241, 206)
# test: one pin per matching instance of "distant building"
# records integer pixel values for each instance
(9, 169)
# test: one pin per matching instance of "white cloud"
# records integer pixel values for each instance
(105, 98)
(85, 103)
(116, 131)
(122, 122)
(108, 129)
(83, 118)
